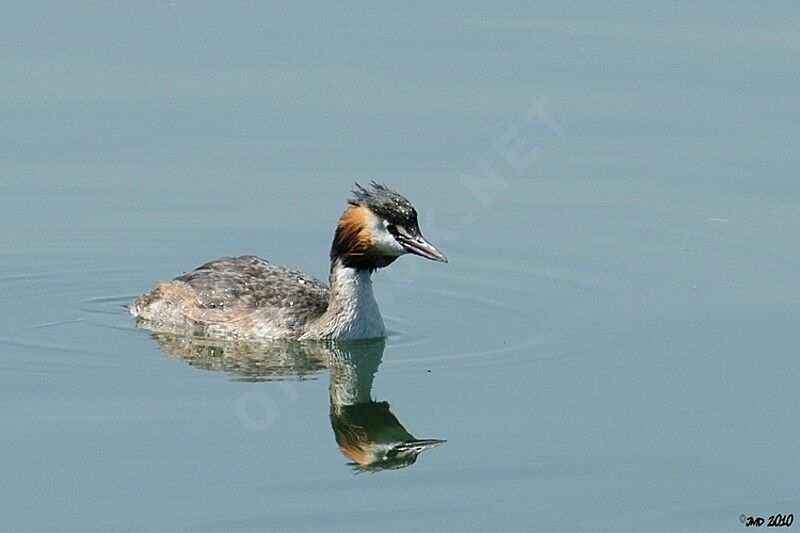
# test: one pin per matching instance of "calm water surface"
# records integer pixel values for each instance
(613, 345)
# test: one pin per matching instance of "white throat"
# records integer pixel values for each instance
(352, 374)
(352, 310)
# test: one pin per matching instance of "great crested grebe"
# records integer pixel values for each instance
(248, 297)
(366, 430)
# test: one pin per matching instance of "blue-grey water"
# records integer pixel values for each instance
(613, 345)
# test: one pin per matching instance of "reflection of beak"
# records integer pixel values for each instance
(418, 446)
(419, 246)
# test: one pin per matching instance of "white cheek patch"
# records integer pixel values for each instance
(383, 241)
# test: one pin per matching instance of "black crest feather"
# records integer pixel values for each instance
(385, 202)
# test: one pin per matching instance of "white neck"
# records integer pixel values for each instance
(352, 373)
(352, 310)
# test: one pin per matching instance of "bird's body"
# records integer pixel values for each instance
(249, 297)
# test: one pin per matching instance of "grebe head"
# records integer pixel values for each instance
(374, 439)
(379, 226)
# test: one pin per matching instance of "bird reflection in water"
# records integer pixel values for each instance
(367, 432)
